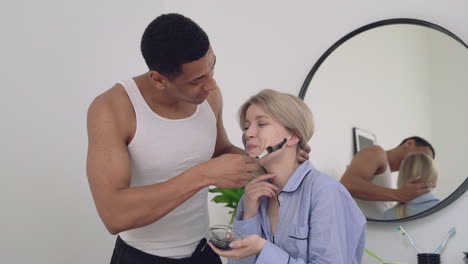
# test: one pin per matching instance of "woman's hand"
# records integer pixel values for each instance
(254, 190)
(249, 246)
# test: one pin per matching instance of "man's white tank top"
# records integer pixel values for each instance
(160, 150)
(372, 209)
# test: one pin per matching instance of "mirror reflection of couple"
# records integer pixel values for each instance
(368, 178)
(157, 141)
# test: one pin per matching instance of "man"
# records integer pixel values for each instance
(151, 143)
(151, 139)
(368, 177)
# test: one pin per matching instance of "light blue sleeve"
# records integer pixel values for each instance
(336, 231)
(272, 254)
(249, 226)
(245, 228)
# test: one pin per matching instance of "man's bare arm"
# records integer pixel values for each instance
(122, 207)
(367, 163)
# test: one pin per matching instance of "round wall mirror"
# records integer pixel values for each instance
(393, 79)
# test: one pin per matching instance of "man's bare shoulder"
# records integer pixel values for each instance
(114, 100)
(375, 155)
(112, 96)
(112, 108)
(372, 150)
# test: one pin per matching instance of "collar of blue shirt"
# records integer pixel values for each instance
(298, 176)
(428, 197)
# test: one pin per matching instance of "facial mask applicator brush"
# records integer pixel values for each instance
(272, 149)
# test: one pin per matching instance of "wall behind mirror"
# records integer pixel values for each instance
(394, 80)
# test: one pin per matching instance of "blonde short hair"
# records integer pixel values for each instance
(417, 164)
(413, 165)
(287, 109)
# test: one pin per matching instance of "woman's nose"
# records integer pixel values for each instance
(250, 132)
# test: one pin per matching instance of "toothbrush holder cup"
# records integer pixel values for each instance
(428, 258)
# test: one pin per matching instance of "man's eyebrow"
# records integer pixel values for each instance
(203, 76)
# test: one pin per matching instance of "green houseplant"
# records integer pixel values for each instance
(229, 197)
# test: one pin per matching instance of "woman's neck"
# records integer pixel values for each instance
(283, 167)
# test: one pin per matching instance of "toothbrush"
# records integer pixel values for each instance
(404, 233)
(450, 233)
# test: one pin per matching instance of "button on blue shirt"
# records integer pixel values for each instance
(415, 206)
(318, 222)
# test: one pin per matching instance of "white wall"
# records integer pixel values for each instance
(448, 86)
(375, 81)
(57, 55)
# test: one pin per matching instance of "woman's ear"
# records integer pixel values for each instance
(293, 140)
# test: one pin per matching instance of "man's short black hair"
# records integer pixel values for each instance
(171, 40)
(420, 142)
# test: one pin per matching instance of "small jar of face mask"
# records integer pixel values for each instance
(221, 236)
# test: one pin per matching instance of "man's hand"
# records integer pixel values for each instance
(411, 190)
(254, 190)
(249, 246)
(303, 154)
(230, 170)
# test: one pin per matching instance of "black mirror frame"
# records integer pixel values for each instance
(464, 186)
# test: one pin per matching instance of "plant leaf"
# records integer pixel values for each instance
(221, 199)
(215, 190)
(230, 197)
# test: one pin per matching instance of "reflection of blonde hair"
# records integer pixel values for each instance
(414, 165)
(287, 109)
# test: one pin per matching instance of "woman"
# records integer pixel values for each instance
(415, 164)
(294, 213)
